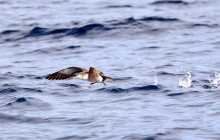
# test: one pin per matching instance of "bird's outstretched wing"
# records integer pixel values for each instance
(66, 73)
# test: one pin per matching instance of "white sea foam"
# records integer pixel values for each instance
(155, 76)
(215, 83)
(186, 81)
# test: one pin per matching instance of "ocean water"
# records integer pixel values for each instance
(164, 55)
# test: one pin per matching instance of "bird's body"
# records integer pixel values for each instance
(83, 76)
(93, 75)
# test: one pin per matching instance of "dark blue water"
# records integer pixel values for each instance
(135, 42)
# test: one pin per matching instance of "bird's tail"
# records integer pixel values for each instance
(107, 78)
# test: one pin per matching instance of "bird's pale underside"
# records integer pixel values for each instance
(93, 75)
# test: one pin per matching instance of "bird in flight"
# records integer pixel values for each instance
(93, 75)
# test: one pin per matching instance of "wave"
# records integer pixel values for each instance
(28, 76)
(73, 47)
(165, 73)
(148, 87)
(8, 90)
(207, 86)
(52, 50)
(16, 89)
(124, 22)
(37, 31)
(139, 137)
(22, 99)
(59, 31)
(114, 90)
(72, 137)
(93, 28)
(121, 90)
(5, 118)
(27, 103)
(119, 6)
(85, 29)
(178, 2)
(175, 94)
(204, 25)
(145, 137)
(160, 19)
(80, 31)
(132, 20)
(9, 32)
(123, 78)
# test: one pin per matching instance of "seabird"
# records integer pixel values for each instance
(93, 75)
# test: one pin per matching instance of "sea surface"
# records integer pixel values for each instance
(164, 55)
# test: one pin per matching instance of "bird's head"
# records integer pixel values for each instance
(91, 69)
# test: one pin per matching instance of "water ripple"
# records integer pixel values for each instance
(175, 94)
(16, 89)
(160, 19)
(119, 6)
(9, 32)
(173, 2)
(8, 90)
(132, 89)
(72, 137)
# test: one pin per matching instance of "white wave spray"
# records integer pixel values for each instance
(155, 79)
(186, 81)
(215, 83)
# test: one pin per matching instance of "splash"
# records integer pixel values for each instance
(155, 79)
(186, 81)
(216, 82)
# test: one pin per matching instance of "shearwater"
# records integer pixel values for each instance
(93, 75)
